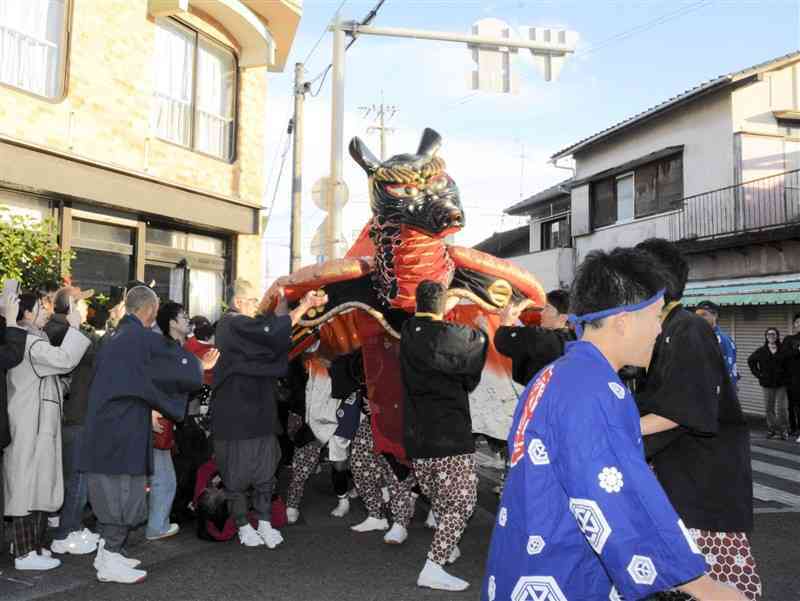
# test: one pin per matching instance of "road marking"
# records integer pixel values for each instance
(785, 473)
(767, 493)
(776, 454)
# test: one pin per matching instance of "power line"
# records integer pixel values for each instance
(684, 10)
(365, 21)
(324, 31)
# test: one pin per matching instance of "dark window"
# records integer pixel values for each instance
(604, 202)
(657, 187)
(556, 234)
(100, 270)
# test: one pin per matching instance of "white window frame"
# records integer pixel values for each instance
(192, 145)
(63, 52)
(617, 179)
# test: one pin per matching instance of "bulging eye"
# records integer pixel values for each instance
(402, 190)
(438, 183)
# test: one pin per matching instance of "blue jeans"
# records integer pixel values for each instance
(76, 490)
(162, 493)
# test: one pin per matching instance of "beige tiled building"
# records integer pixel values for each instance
(139, 125)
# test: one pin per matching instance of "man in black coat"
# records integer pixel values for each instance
(695, 433)
(768, 366)
(532, 348)
(254, 351)
(441, 364)
(12, 351)
(136, 370)
(790, 349)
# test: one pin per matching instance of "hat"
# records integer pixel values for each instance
(707, 305)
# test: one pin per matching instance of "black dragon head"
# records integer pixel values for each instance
(413, 189)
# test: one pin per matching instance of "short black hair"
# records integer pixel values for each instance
(430, 297)
(796, 317)
(709, 306)
(624, 276)
(559, 299)
(166, 313)
(27, 302)
(673, 263)
(203, 330)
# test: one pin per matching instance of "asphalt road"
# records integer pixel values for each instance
(322, 560)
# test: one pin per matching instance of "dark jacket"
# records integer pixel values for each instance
(704, 464)
(530, 348)
(76, 399)
(253, 352)
(790, 348)
(441, 363)
(136, 371)
(768, 367)
(12, 351)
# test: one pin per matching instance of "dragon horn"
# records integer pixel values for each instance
(363, 156)
(430, 142)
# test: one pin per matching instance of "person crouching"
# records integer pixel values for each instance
(441, 364)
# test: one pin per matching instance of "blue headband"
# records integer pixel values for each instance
(578, 320)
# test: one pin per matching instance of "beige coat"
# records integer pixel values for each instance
(32, 472)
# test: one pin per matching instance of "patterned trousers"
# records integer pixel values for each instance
(29, 532)
(371, 471)
(304, 462)
(729, 560)
(451, 483)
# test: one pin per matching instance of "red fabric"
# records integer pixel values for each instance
(199, 349)
(206, 473)
(164, 440)
(384, 387)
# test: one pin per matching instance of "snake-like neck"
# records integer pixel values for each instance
(403, 258)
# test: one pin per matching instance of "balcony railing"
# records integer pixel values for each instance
(761, 204)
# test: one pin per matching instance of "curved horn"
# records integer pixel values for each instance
(430, 142)
(363, 156)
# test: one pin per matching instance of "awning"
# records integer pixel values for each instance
(779, 290)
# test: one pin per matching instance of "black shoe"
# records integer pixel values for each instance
(771, 434)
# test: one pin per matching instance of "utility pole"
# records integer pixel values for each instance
(383, 112)
(300, 90)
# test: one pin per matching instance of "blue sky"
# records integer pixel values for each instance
(631, 55)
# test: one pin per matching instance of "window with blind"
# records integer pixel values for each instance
(33, 45)
(195, 91)
(649, 189)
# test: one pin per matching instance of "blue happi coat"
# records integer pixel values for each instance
(728, 347)
(582, 516)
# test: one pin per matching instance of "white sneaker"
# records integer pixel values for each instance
(385, 494)
(271, 537)
(101, 553)
(249, 537)
(433, 576)
(430, 521)
(89, 535)
(34, 561)
(171, 531)
(45, 552)
(371, 524)
(292, 515)
(396, 536)
(798, 439)
(342, 508)
(74, 544)
(114, 567)
(353, 493)
(454, 555)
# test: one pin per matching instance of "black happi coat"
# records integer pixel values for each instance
(768, 367)
(530, 348)
(254, 351)
(136, 370)
(704, 464)
(441, 364)
(790, 348)
(12, 351)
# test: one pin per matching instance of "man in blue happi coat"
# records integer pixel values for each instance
(582, 516)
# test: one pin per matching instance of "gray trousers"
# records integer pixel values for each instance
(775, 407)
(244, 464)
(120, 503)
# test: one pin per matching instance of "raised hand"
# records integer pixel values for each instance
(210, 359)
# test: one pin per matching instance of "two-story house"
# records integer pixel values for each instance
(715, 169)
(139, 125)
